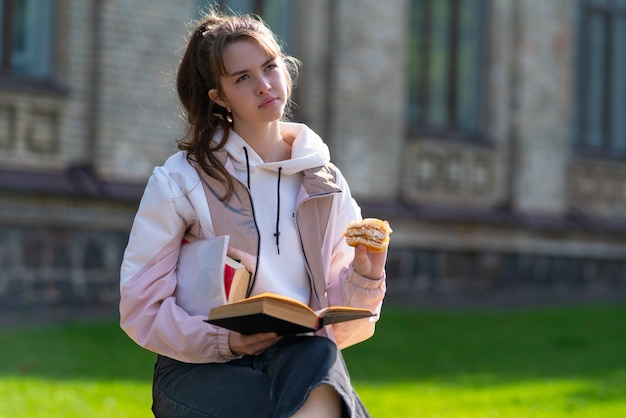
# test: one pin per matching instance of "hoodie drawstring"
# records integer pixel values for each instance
(277, 233)
(280, 169)
(245, 151)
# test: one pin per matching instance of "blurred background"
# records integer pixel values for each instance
(490, 133)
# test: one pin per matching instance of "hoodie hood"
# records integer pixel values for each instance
(263, 179)
(307, 150)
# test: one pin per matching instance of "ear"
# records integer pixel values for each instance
(215, 96)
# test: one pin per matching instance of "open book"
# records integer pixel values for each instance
(269, 312)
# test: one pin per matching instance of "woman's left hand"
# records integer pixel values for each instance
(369, 264)
(251, 344)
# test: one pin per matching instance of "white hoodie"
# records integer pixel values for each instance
(307, 151)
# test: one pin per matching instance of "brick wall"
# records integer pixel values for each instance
(544, 97)
(138, 120)
(114, 107)
(366, 126)
(93, 140)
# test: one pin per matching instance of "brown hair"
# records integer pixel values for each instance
(200, 70)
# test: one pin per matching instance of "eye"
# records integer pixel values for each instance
(271, 67)
(242, 78)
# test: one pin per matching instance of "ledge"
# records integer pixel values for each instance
(80, 181)
(24, 85)
(76, 181)
(494, 216)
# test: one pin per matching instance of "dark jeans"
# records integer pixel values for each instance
(273, 384)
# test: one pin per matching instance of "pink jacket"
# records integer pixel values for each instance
(175, 206)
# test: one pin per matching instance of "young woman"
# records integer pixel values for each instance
(269, 186)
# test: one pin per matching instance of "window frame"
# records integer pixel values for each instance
(583, 137)
(417, 126)
(12, 80)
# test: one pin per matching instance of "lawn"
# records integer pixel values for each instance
(561, 362)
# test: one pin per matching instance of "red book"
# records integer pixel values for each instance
(236, 280)
(229, 274)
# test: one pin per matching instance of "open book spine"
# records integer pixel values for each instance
(319, 324)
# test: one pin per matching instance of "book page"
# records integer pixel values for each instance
(336, 314)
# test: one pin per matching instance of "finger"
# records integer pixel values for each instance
(251, 344)
(265, 343)
(261, 341)
(264, 336)
(360, 254)
(361, 263)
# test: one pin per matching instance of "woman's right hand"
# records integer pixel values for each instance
(251, 344)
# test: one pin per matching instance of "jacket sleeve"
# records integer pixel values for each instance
(148, 310)
(345, 286)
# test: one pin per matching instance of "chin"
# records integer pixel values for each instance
(276, 115)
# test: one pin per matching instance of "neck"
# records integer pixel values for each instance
(266, 140)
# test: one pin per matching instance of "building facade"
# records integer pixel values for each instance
(490, 133)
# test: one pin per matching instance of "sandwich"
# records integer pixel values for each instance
(371, 232)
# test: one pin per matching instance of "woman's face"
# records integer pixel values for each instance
(254, 87)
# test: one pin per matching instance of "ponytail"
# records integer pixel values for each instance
(204, 117)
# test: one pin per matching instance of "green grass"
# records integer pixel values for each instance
(565, 362)
(79, 370)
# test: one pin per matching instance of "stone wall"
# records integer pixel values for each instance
(58, 273)
(502, 259)
(440, 277)
(60, 257)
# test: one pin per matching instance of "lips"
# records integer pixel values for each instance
(269, 101)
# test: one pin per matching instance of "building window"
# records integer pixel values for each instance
(26, 45)
(446, 61)
(600, 121)
(279, 15)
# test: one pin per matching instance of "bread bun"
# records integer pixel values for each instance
(371, 232)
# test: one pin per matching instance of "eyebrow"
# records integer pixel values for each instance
(240, 72)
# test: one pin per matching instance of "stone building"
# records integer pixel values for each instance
(491, 134)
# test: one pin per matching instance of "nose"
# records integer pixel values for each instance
(264, 86)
